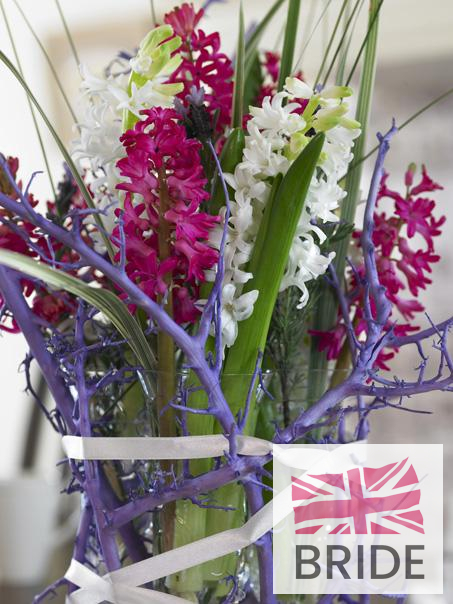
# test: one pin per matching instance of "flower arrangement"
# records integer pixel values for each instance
(199, 279)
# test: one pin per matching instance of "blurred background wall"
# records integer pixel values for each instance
(416, 65)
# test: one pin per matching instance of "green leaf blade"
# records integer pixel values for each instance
(104, 300)
(289, 43)
(239, 72)
(269, 260)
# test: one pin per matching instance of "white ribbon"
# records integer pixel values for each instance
(99, 589)
(122, 586)
(147, 447)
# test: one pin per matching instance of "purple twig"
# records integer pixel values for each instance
(354, 344)
(255, 501)
(92, 478)
(51, 590)
(187, 488)
(214, 303)
(11, 290)
(242, 418)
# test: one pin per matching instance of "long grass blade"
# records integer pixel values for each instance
(309, 19)
(104, 300)
(253, 41)
(331, 40)
(153, 12)
(312, 33)
(239, 82)
(364, 43)
(32, 111)
(251, 46)
(345, 50)
(358, 5)
(75, 54)
(79, 180)
(48, 60)
(403, 125)
(289, 42)
(352, 186)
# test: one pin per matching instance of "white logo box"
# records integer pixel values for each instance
(377, 508)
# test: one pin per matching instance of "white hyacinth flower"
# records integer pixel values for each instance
(104, 101)
(276, 134)
(235, 308)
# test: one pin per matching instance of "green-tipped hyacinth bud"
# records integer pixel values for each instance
(337, 92)
(154, 62)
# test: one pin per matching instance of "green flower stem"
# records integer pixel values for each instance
(166, 387)
(190, 519)
(326, 312)
(190, 523)
(267, 265)
(166, 376)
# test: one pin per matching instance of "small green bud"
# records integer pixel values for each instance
(328, 118)
(349, 123)
(337, 92)
(297, 142)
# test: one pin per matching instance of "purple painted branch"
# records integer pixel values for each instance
(92, 479)
(191, 346)
(327, 599)
(210, 481)
(82, 535)
(354, 344)
(363, 427)
(376, 292)
(26, 363)
(83, 531)
(50, 590)
(255, 502)
(12, 293)
(383, 307)
(242, 419)
(397, 342)
(133, 543)
(405, 389)
(22, 233)
(311, 416)
(214, 302)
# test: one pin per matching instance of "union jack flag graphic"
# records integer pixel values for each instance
(362, 500)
